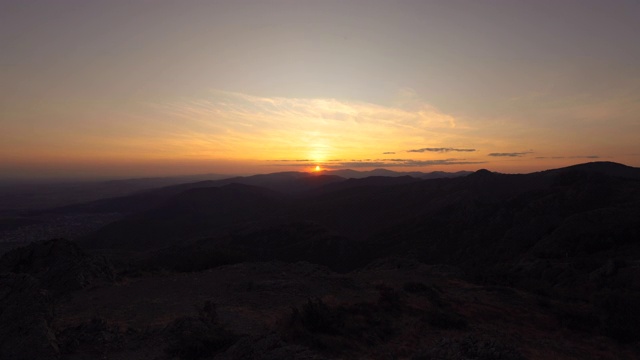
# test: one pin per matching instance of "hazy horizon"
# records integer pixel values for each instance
(128, 89)
(70, 178)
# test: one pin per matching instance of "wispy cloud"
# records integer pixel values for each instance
(408, 163)
(296, 160)
(511, 154)
(569, 157)
(440, 150)
(275, 127)
(360, 163)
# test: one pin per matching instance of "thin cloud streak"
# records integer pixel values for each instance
(570, 157)
(511, 154)
(367, 163)
(246, 126)
(440, 150)
(410, 163)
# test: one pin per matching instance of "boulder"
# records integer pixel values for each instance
(60, 265)
(26, 315)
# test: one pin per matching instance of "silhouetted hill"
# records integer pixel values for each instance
(60, 265)
(26, 319)
(353, 174)
(33, 195)
(487, 266)
(358, 182)
(443, 174)
(475, 221)
(285, 182)
(290, 242)
(601, 167)
(361, 211)
(193, 213)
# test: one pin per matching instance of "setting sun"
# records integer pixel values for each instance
(392, 98)
(478, 195)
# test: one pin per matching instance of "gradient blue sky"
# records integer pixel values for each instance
(152, 87)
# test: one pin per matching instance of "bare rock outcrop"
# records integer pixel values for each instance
(26, 314)
(60, 265)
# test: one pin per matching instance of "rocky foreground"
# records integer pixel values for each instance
(58, 302)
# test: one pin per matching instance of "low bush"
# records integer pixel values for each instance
(388, 298)
(447, 320)
(425, 290)
(331, 328)
(619, 314)
(467, 348)
(198, 337)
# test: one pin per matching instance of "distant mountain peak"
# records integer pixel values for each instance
(604, 167)
(601, 165)
(348, 173)
(482, 172)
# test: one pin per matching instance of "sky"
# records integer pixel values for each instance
(154, 87)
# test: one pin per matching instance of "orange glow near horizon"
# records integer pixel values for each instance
(331, 86)
(235, 133)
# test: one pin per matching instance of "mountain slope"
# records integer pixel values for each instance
(194, 213)
(285, 182)
(474, 221)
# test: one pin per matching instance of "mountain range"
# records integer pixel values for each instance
(405, 264)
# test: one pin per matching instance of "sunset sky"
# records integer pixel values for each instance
(154, 87)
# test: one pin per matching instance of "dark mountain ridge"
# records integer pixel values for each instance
(26, 195)
(495, 217)
(485, 266)
(354, 174)
(286, 182)
(189, 215)
(291, 182)
(608, 168)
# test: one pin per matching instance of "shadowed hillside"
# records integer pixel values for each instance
(489, 265)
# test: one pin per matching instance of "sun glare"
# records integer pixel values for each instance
(317, 168)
